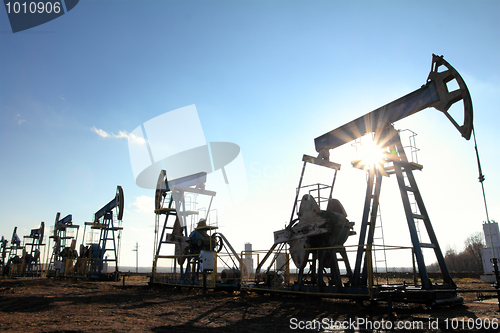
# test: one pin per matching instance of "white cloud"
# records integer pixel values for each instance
(132, 137)
(19, 120)
(121, 135)
(144, 204)
(100, 132)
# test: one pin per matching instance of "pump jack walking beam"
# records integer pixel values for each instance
(433, 94)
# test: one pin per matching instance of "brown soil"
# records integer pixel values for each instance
(50, 305)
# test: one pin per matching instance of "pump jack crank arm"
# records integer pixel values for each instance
(434, 94)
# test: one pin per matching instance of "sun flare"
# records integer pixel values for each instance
(371, 154)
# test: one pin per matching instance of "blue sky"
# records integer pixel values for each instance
(269, 76)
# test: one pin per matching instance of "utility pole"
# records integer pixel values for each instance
(136, 257)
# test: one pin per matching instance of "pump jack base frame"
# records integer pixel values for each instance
(408, 294)
(441, 296)
(391, 292)
(186, 274)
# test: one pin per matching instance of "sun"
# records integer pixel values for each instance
(371, 155)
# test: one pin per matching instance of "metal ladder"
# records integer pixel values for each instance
(412, 147)
(107, 228)
(377, 230)
(407, 184)
(380, 231)
(404, 169)
(368, 224)
(168, 211)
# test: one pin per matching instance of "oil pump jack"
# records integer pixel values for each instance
(197, 249)
(64, 254)
(94, 257)
(3, 252)
(24, 258)
(32, 251)
(322, 233)
(13, 264)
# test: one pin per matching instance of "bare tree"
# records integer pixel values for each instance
(469, 260)
(473, 246)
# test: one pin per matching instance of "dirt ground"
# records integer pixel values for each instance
(51, 305)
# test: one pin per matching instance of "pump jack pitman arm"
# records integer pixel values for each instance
(433, 94)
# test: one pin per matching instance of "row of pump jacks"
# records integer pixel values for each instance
(313, 241)
(98, 251)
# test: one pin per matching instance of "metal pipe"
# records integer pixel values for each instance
(208, 210)
(333, 183)
(297, 195)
